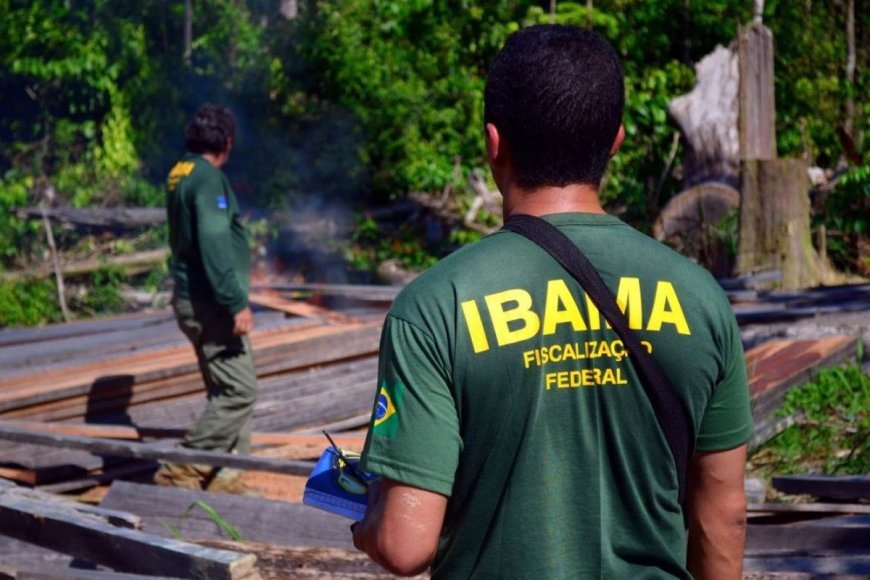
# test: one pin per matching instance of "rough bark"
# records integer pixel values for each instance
(757, 106)
(695, 223)
(775, 223)
(707, 118)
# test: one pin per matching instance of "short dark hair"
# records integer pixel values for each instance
(556, 95)
(209, 129)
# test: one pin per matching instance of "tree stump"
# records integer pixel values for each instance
(697, 223)
(775, 223)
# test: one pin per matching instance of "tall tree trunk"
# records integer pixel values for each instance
(289, 9)
(775, 203)
(850, 67)
(188, 31)
(757, 104)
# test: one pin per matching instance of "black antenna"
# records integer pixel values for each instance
(347, 463)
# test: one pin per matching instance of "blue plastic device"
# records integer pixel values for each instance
(337, 486)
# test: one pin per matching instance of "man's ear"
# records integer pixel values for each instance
(494, 145)
(617, 141)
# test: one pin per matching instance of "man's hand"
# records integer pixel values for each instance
(716, 504)
(401, 528)
(244, 321)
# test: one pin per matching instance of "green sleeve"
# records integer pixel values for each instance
(414, 431)
(214, 237)
(727, 421)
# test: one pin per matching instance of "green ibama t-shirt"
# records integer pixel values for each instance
(211, 260)
(503, 388)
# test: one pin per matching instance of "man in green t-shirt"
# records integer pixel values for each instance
(211, 270)
(512, 433)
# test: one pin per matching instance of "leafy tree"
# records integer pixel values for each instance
(811, 86)
(364, 101)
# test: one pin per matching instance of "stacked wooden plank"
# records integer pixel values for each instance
(827, 540)
(778, 365)
(776, 305)
(140, 370)
(315, 370)
(138, 377)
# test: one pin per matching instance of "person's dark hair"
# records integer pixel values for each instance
(556, 95)
(209, 129)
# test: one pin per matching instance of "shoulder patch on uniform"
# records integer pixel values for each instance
(384, 408)
(222, 202)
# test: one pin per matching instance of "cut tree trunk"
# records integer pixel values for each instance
(775, 223)
(757, 105)
(696, 223)
(707, 118)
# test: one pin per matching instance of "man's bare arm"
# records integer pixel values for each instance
(401, 528)
(716, 504)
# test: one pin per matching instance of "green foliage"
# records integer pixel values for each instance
(28, 303)
(223, 525)
(370, 246)
(634, 174)
(834, 438)
(103, 294)
(367, 100)
(811, 84)
(14, 232)
(414, 87)
(845, 215)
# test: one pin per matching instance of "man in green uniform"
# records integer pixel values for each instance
(211, 269)
(512, 433)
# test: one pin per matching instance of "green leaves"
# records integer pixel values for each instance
(834, 438)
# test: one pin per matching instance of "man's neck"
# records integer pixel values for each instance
(216, 159)
(579, 198)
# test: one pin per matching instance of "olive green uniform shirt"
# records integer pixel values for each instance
(501, 387)
(211, 260)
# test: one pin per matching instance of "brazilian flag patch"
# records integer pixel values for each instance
(387, 412)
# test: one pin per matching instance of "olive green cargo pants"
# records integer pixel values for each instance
(227, 367)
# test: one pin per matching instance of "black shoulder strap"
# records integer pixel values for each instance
(669, 408)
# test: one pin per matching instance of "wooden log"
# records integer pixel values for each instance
(101, 477)
(77, 328)
(67, 574)
(261, 520)
(130, 264)
(150, 451)
(58, 527)
(808, 508)
(840, 487)
(365, 292)
(295, 307)
(140, 433)
(126, 217)
(830, 533)
(830, 565)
